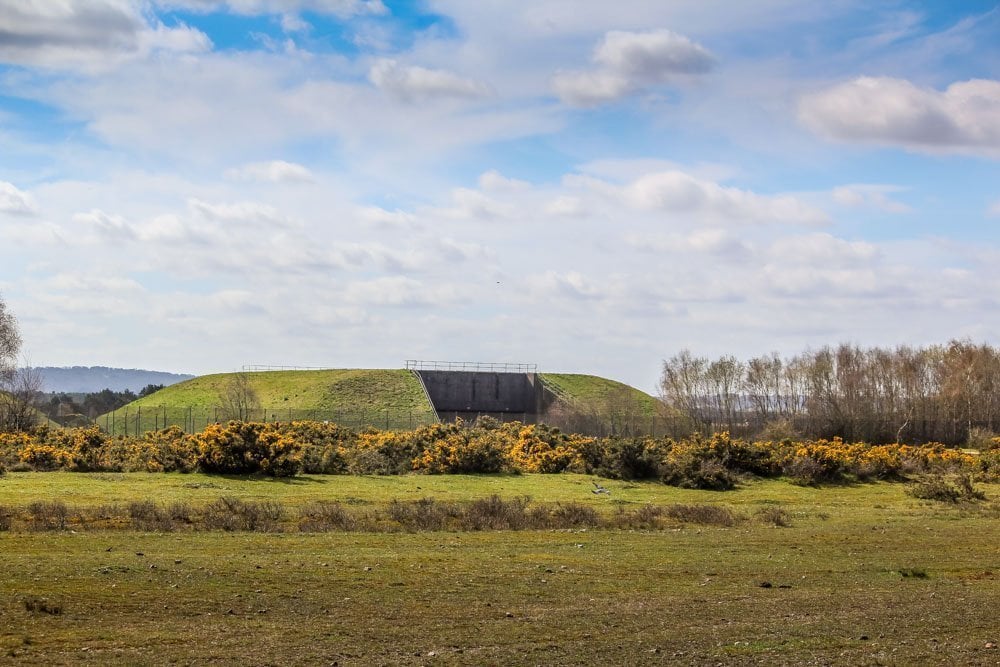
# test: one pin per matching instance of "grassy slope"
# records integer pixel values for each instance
(293, 393)
(687, 595)
(595, 390)
(355, 397)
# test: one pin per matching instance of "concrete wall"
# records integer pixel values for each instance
(464, 393)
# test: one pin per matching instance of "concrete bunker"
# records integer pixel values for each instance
(507, 392)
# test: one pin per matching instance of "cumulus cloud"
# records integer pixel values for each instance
(411, 82)
(276, 171)
(629, 61)
(571, 284)
(340, 8)
(91, 34)
(398, 291)
(242, 213)
(963, 118)
(875, 196)
(682, 194)
(14, 201)
(376, 216)
(822, 250)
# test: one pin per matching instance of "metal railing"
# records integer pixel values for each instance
(470, 366)
(258, 368)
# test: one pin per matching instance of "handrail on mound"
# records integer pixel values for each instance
(470, 366)
(256, 368)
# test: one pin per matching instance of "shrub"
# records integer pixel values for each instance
(232, 514)
(323, 516)
(464, 452)
(48, 515)
(6, 518)
(938, 488)
(146, 516)
(989, 466)
(572, 515)
(246, 448)
(774, 516)
(424, 514)
(632, 458)
(539, 448)
(691, 465)
(382, 453)
(495, 513)
(45, 457)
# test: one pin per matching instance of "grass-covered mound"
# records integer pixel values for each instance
(383, 397)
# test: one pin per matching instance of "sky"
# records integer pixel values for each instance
(195, 185)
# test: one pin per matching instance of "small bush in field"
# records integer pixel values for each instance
(35, 605)
(495, 513)
(424, 514)
(6, 518)
(48, 515)
(938, 488)
(322, 516)
(573, 515)
(232, 514)
(775, 516)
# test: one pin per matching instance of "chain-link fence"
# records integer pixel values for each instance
(192, 419)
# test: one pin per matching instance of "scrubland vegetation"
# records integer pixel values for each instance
(488, 446)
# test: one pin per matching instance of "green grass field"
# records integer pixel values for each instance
(828, 589)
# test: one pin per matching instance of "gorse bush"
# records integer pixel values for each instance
(487, 446)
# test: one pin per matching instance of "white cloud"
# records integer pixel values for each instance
(822, 250)
(587, 89)
(964, 118)
(376, 216)
(276, 171)
(571, 284)
(494, 181)
(14, 201)
(682, 194)
(864, 195)
(652, 57)
(87, 35)
(340, 8)
(242, 214)
(411, 82)
(629, 61)
(398, 291)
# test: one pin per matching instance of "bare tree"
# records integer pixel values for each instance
(19, 389)
(19, 399)
(238, 398)
(10, 343)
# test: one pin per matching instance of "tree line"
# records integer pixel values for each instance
(940, 393)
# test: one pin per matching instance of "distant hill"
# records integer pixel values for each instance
(88, 379)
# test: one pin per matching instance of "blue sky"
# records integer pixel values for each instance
(192, 185)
